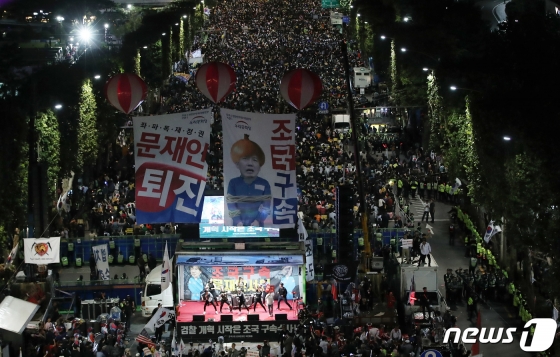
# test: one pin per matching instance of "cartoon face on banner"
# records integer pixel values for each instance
(259, 169)
(225, 278)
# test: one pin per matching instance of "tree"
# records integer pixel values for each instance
(181, 44)
(394, 74)
(87, 128)
(137, 68)
(435, 112)
(48, 135)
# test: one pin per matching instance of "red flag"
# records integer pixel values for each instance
(334, 291)
(475, 349)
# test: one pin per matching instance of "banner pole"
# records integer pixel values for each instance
(356, 144)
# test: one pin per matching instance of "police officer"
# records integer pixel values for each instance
(441, 191)
(447, 280)
(429, 189)
(471, 306)
(473, 263)
(413, 187)
(400, 185)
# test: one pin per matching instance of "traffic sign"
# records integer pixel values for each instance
(346, 19)
(431, 353)
(330, 4)
(323, 108)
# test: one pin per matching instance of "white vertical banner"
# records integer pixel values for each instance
(165, 270)
(259, 169)
(309, 266)
(170, 161)
(101, 255)
(302, 232)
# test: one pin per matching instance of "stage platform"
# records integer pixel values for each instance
(188, 309)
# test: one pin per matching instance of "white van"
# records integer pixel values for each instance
(341, 122)
(153, 295)
(362, 77)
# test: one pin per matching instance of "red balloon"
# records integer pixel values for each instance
(126, 91)
(300, 88)
(215, 80)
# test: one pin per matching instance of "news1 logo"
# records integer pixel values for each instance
(543, 337)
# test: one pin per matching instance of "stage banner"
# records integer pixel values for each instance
(170, 161)
(259, 169)
(235, 331)
(101, 255)
(226, 278)
(42, 251)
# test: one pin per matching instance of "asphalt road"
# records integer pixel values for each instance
(493, 314)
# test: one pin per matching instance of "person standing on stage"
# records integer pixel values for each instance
(270, 302)
(258, 300)
(264, 288)
(240, 284)
(224, 300)
(209, 300)
(211, 288)
(282, 295)
(242, 302)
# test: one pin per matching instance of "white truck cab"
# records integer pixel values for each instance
(152, 295)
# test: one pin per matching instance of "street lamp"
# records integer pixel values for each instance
(85, 34)
(407, 19)
(145, 47)
(106, 27)
(454, 88)
(358, 15)
(403, 49)
(58, 106)
(425, 69)
(507, 138)
(97, 76)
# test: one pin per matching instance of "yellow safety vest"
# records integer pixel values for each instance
(361, 241)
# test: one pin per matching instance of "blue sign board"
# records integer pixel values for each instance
(346, 19)
(431, 353)
(323, 108)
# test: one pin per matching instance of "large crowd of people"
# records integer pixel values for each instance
(262, 40)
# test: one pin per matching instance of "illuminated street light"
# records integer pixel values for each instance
(358, 15)
(85, 34)
(453, 88)
(145, 47)
(383, 37)
(507, 138)
(97, 76)
(184, 16)
(425, 69)
(58, 106)
(59, 18)
(403, 49)
(163, 34)
(129, 6)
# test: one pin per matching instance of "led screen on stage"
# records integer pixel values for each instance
(195, 277)
(212, 223)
